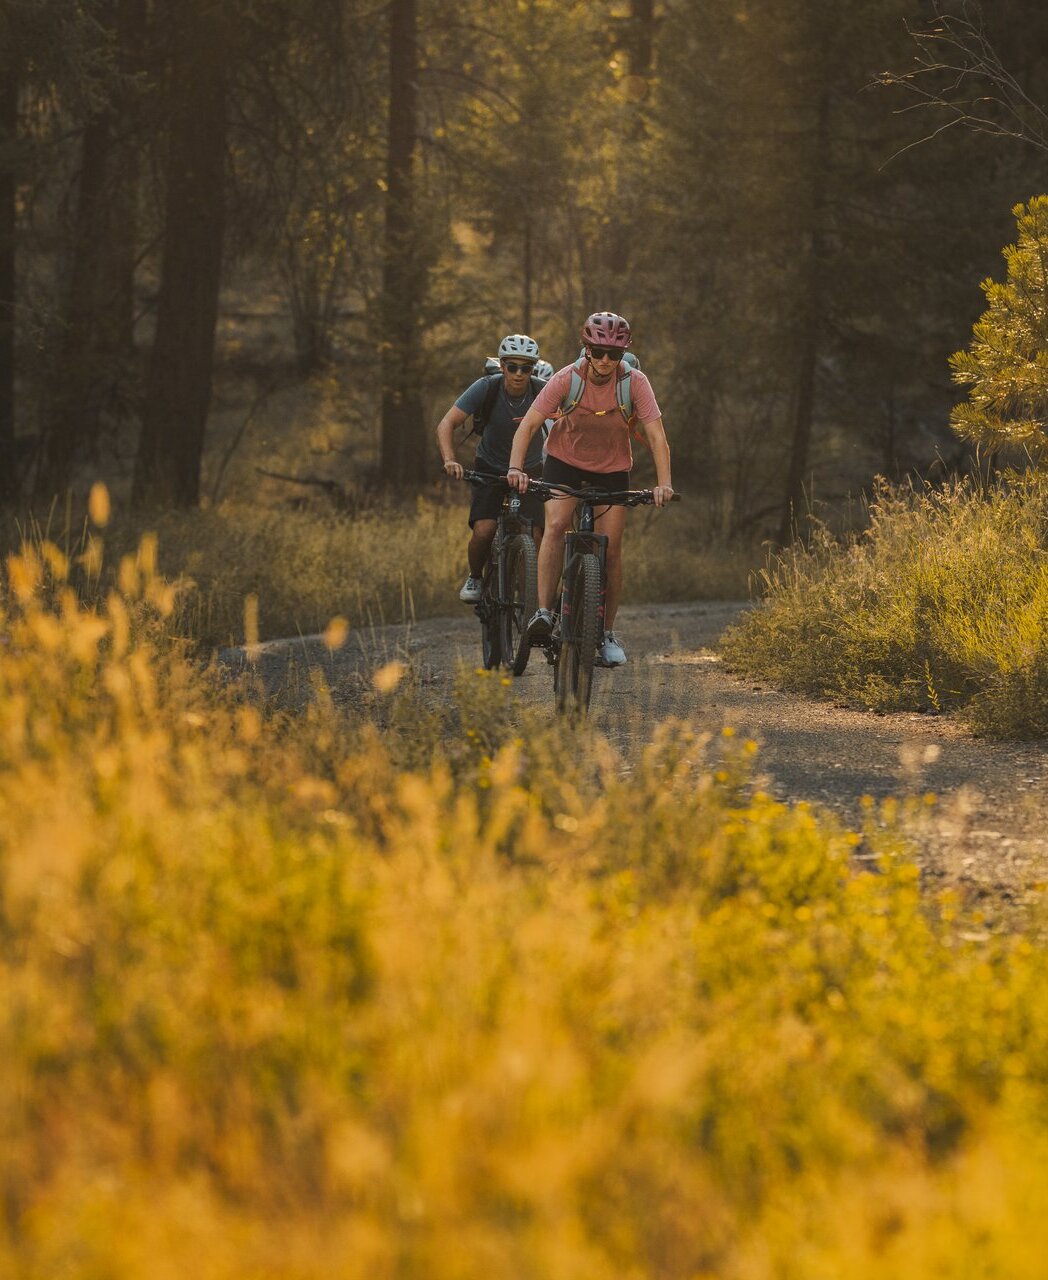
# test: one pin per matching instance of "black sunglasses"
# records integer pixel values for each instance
(511, 367)
(613, 353)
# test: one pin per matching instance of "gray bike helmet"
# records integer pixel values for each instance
(518, 346)
(491, 365)
(544, 370)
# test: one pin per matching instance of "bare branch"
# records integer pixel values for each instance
(960, 72)
(331, 487)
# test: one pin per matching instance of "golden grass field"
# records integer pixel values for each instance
(447, 991)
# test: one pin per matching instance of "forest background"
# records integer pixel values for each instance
(249, 252)
(431, 986)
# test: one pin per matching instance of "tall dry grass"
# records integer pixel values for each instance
(387, 563)
(941, 604)
(442, 992)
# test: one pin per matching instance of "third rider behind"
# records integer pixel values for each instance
(497, 404)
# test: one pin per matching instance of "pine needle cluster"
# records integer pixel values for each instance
(1006, 363)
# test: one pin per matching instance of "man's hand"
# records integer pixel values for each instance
(662, 494)
(453, 469)
(517, 479)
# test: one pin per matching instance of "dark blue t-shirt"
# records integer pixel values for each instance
(497, 440)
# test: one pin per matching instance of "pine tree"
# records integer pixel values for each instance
(1006, 362)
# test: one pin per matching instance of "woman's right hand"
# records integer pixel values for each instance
(453, 469)
(517, 479)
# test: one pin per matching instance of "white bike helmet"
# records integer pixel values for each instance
(518, 346)
(544, 370)
(491, 365)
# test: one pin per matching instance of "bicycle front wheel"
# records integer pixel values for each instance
(522, 589)
(580, 631)
(490, 622)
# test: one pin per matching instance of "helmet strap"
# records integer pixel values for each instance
(601, 379)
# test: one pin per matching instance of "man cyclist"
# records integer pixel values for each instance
(499, 416)
(590, 445)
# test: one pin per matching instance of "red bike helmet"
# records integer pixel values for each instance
(606, 329)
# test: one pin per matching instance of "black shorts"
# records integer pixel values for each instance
(559, 472)
(487, 499)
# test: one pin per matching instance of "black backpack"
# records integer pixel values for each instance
(483, 415)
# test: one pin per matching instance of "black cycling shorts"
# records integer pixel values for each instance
(559, 472)
(487, 499)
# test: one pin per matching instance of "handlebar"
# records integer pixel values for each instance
(482, 477)
(546, 490)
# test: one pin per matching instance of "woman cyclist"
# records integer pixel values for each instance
(589, 444)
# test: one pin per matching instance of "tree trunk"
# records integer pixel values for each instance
(642, 36)
(8, 137)
(119, 281)
(404, 442)
(527, 273)
(810, 317)
(96, 342)
(625, 194)
(178, 387)
(72, 415)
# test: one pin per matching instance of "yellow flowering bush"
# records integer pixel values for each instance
(356, 994)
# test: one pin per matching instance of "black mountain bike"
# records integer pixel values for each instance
(578, 619)
(509, 590)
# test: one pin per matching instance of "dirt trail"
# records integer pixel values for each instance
(989, 832)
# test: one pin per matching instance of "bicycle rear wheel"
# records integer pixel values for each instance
(522, 589)
(490, 622)
(580, 631)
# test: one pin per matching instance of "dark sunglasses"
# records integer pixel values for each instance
(511, 367)
(613, 353)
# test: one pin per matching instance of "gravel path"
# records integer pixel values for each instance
(987, 835)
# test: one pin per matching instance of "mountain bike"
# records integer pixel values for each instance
(509, 584)
(578, 618)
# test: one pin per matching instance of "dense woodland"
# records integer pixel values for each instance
(220, 203)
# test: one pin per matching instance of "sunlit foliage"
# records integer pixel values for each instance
(942, 603)
(426, 991)
(1006, 363)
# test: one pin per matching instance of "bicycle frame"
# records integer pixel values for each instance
(510, 524)
(500, 605)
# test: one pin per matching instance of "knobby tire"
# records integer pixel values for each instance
(522, 590)
(580, 632)
(490, 621)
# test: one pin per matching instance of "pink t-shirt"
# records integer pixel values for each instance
(594, 436)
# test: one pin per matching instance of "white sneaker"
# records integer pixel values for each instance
(539, 626)
(471, 590)
(612, 654)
